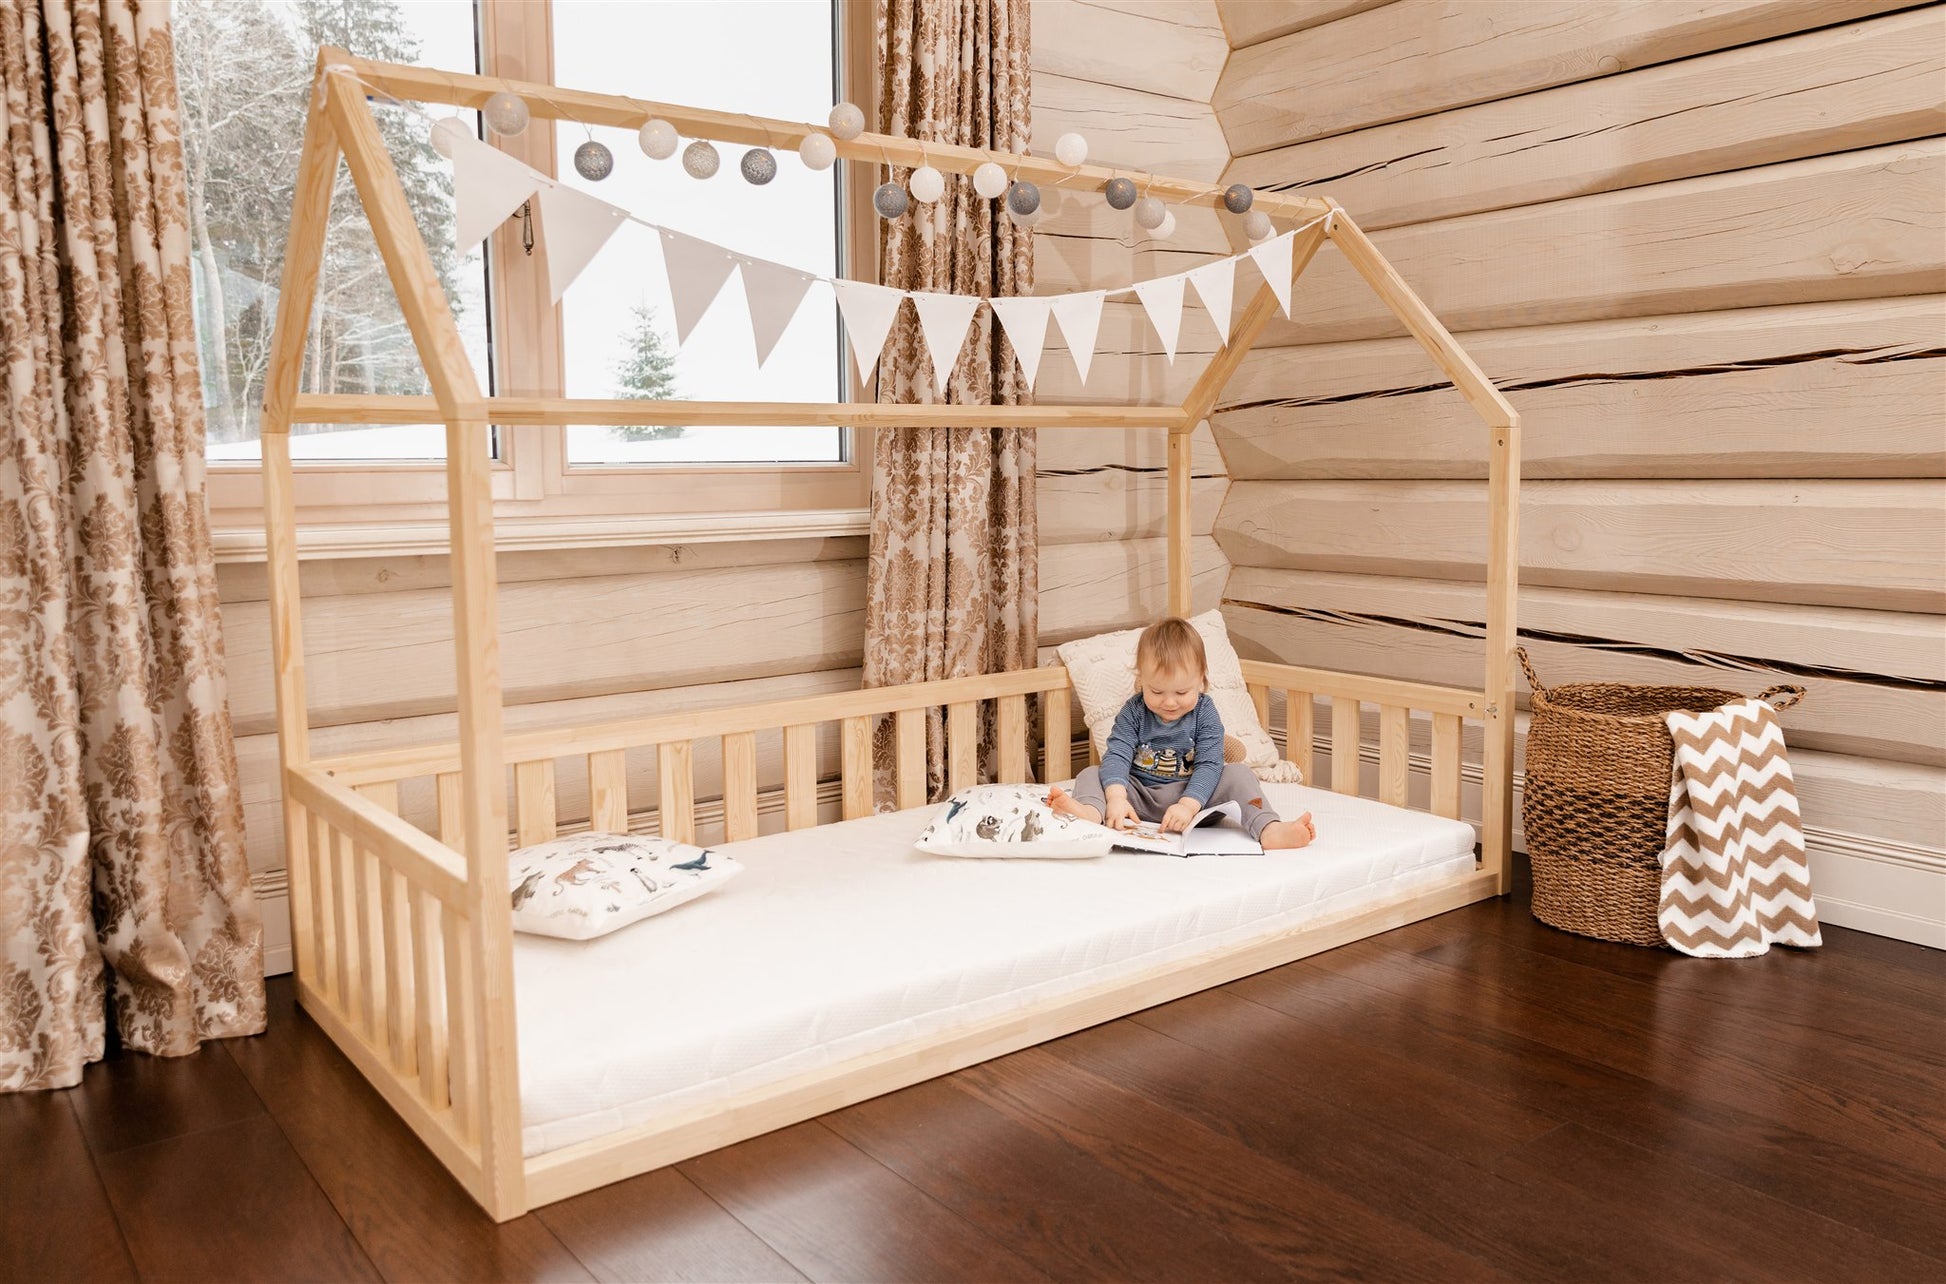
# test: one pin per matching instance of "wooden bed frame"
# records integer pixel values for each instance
(403, 940)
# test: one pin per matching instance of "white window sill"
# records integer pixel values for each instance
(319, 542)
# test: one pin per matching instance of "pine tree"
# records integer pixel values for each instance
(646, 370)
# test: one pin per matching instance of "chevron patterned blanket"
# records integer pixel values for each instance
(1734, 875)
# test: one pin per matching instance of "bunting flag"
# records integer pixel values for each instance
(1274, 258)
(943, 319)
(697, 270)
(773, 293)
(1024, 318)
(577, 225)
(1079, 316)
(869, 311)
(488, 185)
(1162, 299)
(1216, 285)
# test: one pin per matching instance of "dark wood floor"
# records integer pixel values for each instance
(1472, 1097)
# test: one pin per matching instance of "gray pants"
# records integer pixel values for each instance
(1239, 785)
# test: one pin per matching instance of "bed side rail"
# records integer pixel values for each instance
(1348, 693)
(379, 925)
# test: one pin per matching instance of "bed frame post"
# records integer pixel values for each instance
(317, 170)
(1181, 451)
(1503, 536)
(476, 635)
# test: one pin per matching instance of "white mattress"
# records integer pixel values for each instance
(842, 940)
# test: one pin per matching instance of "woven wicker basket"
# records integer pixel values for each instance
(1596, 804)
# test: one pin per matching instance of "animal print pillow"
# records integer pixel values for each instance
(589, 885)
(1010, 820)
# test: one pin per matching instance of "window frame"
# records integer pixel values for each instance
(402, 506)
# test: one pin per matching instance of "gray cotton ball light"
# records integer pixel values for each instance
(593, 161)
(1237, 198)
(889, 200)
(759, 166)
(1120, 193)
(1023, 198)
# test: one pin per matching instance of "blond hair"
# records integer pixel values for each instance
(1170, 645)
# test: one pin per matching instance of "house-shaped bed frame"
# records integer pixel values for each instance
(403, 941)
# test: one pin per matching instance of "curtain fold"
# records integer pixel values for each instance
(953, 582)
(123, 877)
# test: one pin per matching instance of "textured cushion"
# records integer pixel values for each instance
(1010, 820)
(591, 884)
(1102, 669)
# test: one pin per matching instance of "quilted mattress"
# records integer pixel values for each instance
(842, 940)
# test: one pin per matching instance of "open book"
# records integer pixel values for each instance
(1216, 831)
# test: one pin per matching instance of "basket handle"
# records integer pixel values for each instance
(1787, 694)
(1527, 667)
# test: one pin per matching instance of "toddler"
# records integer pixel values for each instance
(1165, 755)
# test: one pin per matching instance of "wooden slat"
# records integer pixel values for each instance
(324, 909)
(370, 873)
(429, 999)
(1345, 748)
(676, 766)
(1419, 57)
(1755, 392)
(1503, 567)
(1260, 701)
(1832, 90)
(962, 745)
(344, 910)
(303, 895)
(551, 102)
(800, 776)
(1856, 225)
(1446, 766)
(1058, 738)
(349, 408)
(462, 1032)
(739, 786)
(1394, 754)
(909, 736)
(390, 950)
(1871, 544)
(452, 816)
(855, 748)
(608, 791)
(401, 971)
(1011, 730)
(1299, 733)
(534, 801)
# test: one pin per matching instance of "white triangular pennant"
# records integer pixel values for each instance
(488, 185)
(1079, 316)
(773, 292)
(1025, 320)
(1216, 285)
(574, 225)
(697, 270)
(869, 311)
(1162, 299)
(1274, 261)
(943, 319)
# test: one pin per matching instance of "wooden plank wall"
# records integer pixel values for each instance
(1703, 249)
(592, 634)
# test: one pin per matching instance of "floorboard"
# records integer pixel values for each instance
(1473, 1097)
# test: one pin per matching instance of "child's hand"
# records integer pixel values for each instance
(1180, 813)
(1119, 814)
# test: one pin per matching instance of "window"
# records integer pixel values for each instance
(611, 336)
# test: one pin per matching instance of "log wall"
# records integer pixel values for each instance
(593, 634)
(1702, 248)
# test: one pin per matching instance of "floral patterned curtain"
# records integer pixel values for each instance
(954, 580)
(122, 873)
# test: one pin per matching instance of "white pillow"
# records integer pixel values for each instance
(1102, 669)
(589, 885)
(1010, 820)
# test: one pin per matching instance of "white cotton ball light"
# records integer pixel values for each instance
(817, 151)
(989, 180)
(659, 140)
(1149, 213)
(699, 159)
(1071, 150)
(926, 184)
(847, 121)
(447, 133)
(1256, 225)
(1166, 228)
(506, 113)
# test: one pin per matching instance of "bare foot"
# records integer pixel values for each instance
(1286, 834)
(1062, 803)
